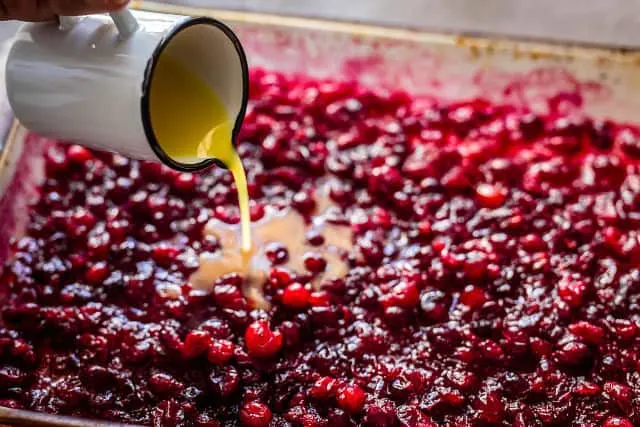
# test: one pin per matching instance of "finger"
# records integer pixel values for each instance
(85, 7)
(47, 10)
(26, 10)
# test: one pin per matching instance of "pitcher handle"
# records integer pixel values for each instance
(125, 22)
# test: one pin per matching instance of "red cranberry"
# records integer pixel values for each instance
(164, 384)
(277, 253)
(589, 332)
(228, 295)
(572, 353)
(572, 292)
(255, 414)
(473, 297)
(490, 196)
(351, 398)
(315, 238)
(195, 344)
(78, 154)
(314, 262)
(323, 389)
(304, 202)
(295, 295)
(261, 341)
(404, 294)
(55, 161)
(319, 299)
(384, 180)
(97, 273)
(279, 276)
(629, 142)
(220, 352)
(185, 183)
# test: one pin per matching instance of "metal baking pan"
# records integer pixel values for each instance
(604, 83)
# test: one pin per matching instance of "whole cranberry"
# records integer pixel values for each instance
(384, 180)
(220, 352)
(78, 154)
(255, 414)
(296, 295)
(314, 262)
(261, 341)
(351, 398)
(490, 196)
(195, 344)
(324, 388)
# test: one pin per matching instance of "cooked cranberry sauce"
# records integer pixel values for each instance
(494, 277)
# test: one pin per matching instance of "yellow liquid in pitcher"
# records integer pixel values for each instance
(191, 123)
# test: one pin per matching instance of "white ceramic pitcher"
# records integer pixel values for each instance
(87, 80)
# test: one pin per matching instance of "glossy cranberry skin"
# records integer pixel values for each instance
(220, 352)
(255, 414)
(195, 344)
(351, 398)
(296, 295)
(490, 196)
(261, 341)
(79, 155)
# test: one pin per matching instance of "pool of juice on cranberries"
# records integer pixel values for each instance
(491, 274)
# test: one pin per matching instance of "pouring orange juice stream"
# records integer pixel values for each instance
(180, 96)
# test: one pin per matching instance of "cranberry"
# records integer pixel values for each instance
(629, 142)
(319, 298)
(572, 291)
(164, 384)
(280, 276)
(304, 202)
(315, 238)
(404, 294)
(295, 295)
(97, 273)
(573, 353)
(56, 161)
(185, 183)
(590, 333)
(79, 155)
(384, 180)
(195, 344)
(351, 398)
(164, 254)
(220, 352)
(434, 305)
(314, 262)
(261, 341)
(490, 196)
(473, 297)
(277, 253)
(255, 414)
